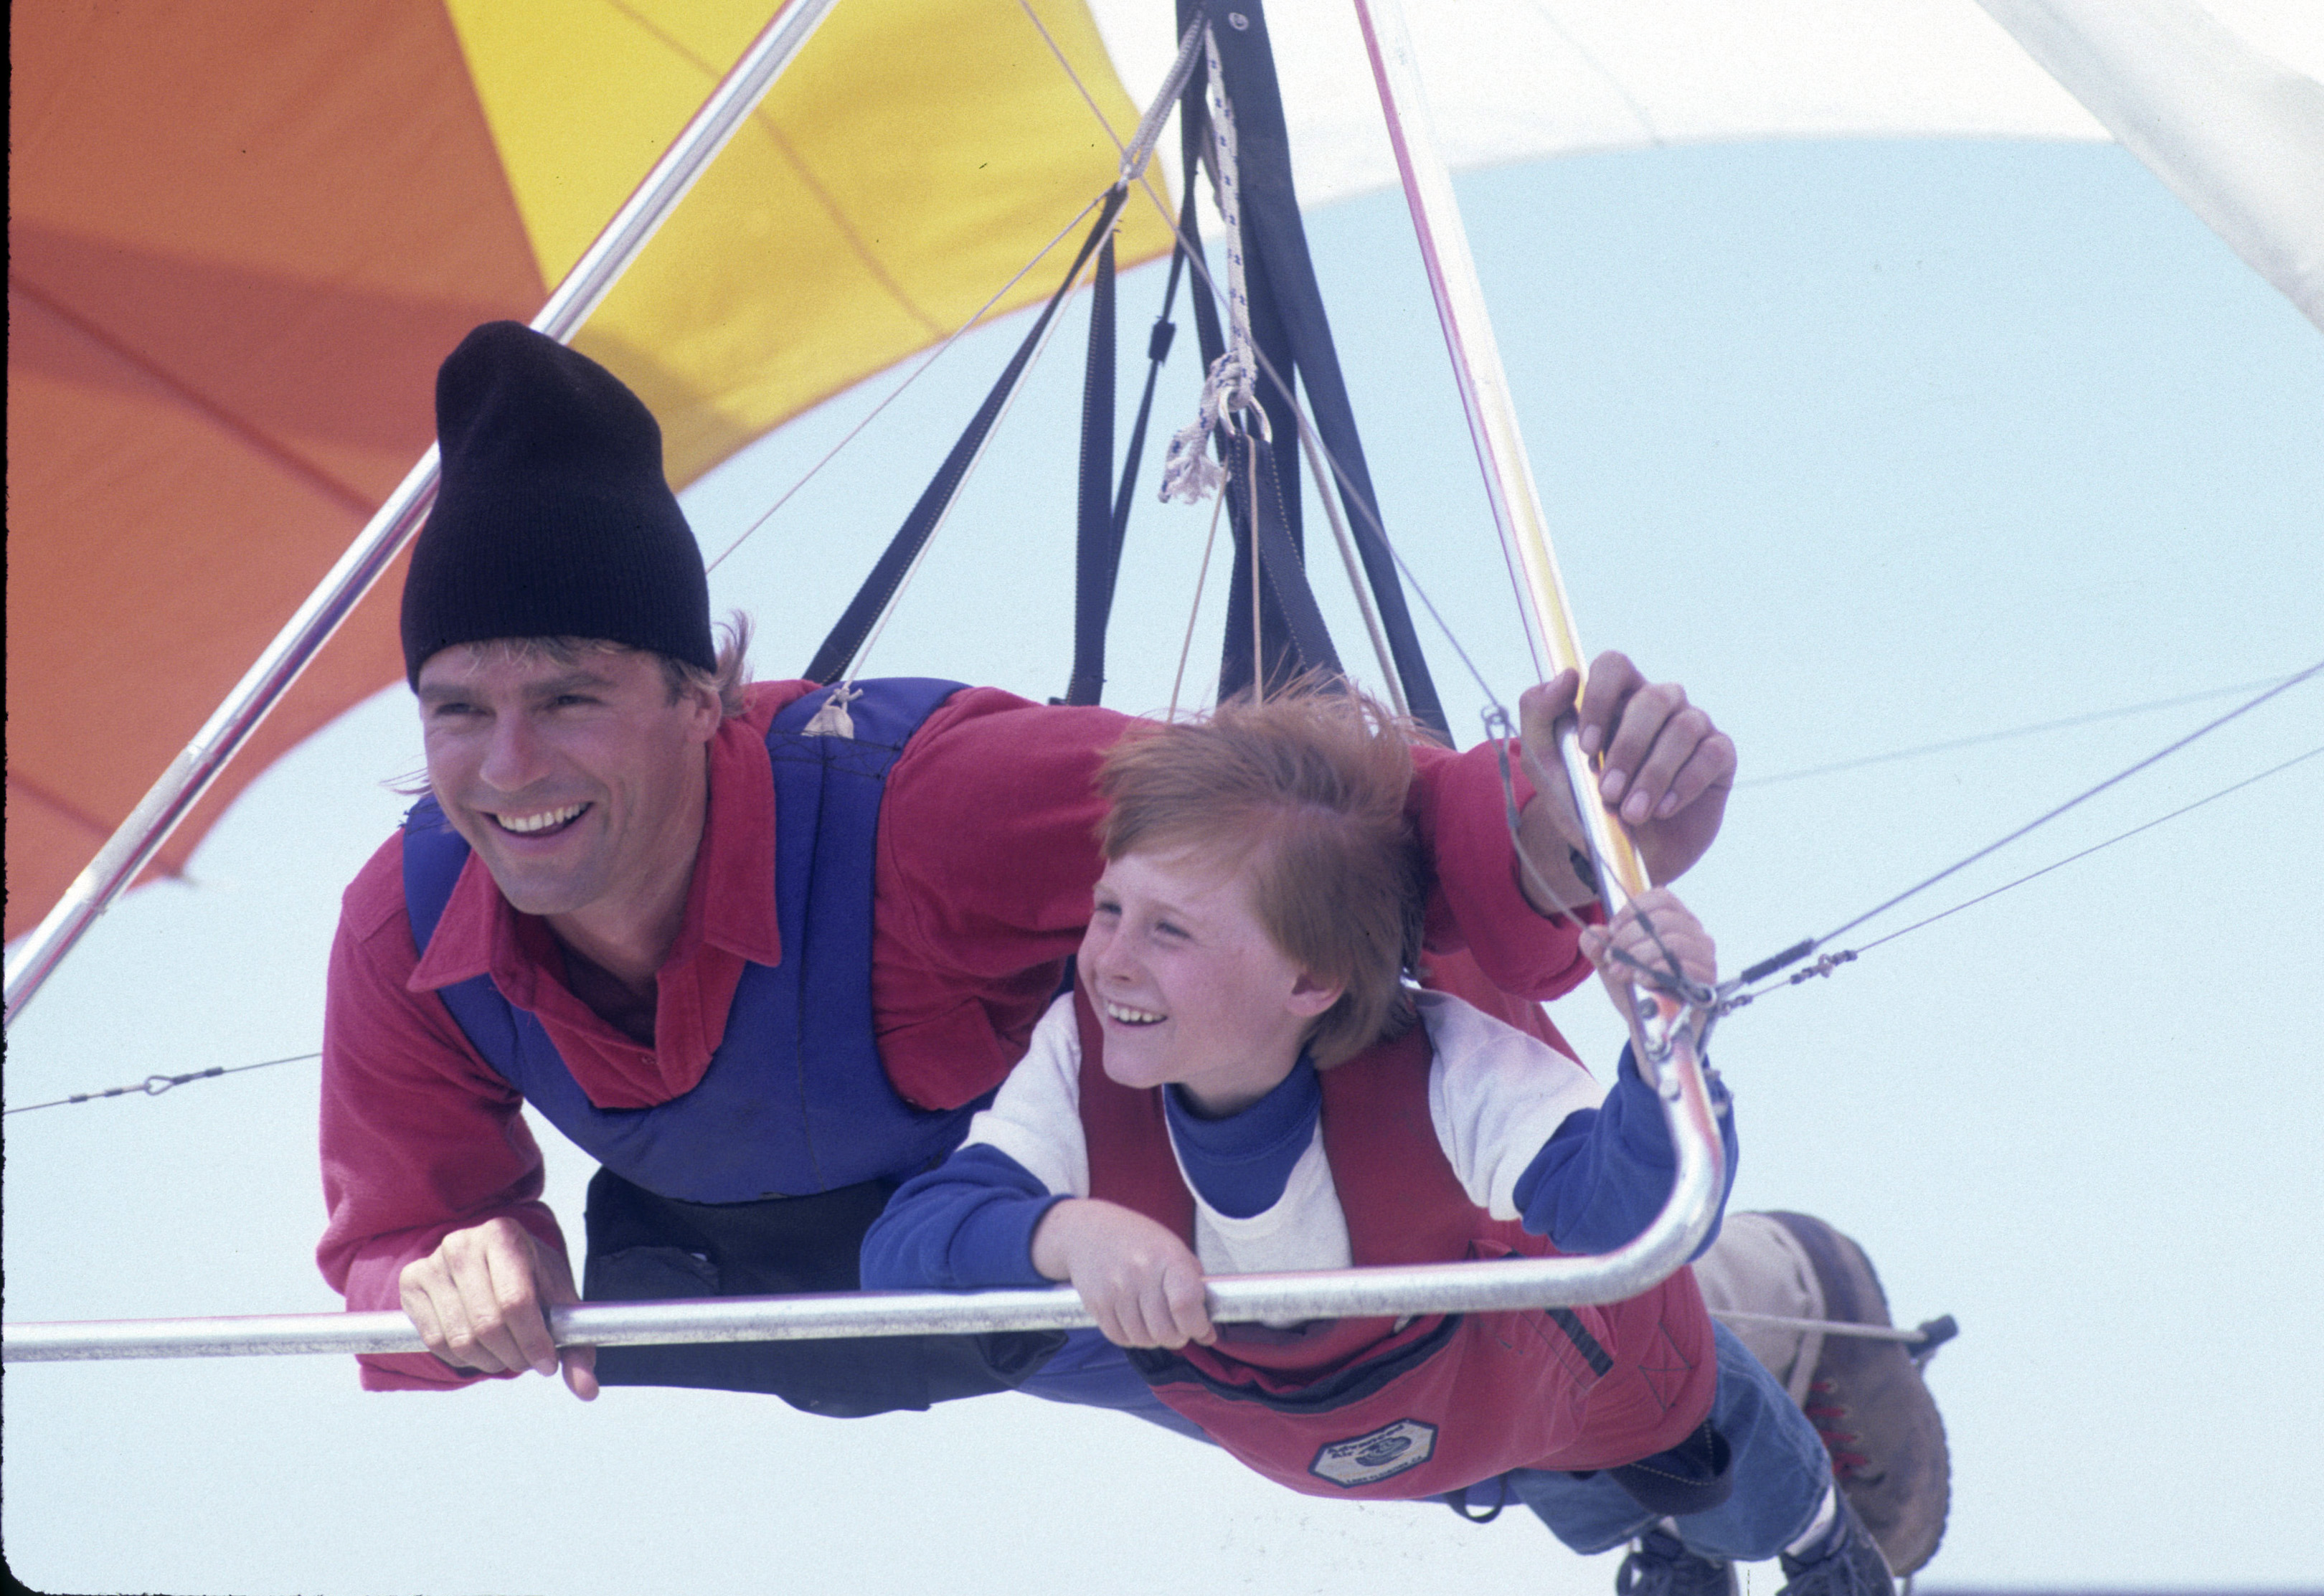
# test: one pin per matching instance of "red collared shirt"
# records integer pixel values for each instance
(986, 855)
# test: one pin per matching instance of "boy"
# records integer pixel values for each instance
(1240, 1082)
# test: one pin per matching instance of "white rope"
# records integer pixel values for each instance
(1150, 127)
(1825, 1326)
(1195, 610)
(1189, 475)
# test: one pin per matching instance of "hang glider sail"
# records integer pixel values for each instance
(242, 236)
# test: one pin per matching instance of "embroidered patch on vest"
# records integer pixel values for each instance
(1363, 1460)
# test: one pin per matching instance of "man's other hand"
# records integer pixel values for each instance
(481, 1299)
(1663, 768)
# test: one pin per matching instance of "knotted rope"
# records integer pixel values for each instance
(1189, 474)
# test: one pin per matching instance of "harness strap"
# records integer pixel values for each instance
(1096, 550)
(1098, 555)
(1291, 331)
(1293, 633)
(838, 654)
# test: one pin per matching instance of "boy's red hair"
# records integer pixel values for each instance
(1305, 794)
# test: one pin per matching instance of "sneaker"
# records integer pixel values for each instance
(1658, 1565)
(1849, 1564)
(1867, 1400)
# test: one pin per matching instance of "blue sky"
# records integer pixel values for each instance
(1873, 445)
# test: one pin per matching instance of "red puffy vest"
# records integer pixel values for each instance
(1371, 1407)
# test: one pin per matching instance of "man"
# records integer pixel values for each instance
(610, 917)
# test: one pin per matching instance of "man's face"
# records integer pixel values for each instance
(1186, 984)
(580, 785)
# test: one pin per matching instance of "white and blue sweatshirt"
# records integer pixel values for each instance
(1528, 1133)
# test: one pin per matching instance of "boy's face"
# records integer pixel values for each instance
(1187, 986)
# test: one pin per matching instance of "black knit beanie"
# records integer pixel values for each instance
(554, 519)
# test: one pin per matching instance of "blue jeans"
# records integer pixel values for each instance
(1782, 1471)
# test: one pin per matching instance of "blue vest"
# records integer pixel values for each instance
(795, 1100)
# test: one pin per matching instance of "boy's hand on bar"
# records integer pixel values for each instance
(1663, 768)
(1142, 1283)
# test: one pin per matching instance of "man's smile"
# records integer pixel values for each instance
(539, 822)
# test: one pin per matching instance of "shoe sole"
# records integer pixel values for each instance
(1905, 1503)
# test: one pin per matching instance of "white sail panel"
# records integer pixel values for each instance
(1518, 79)
(2236, 134)
(2222, 102)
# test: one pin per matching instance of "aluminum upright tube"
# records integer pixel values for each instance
(133, 846)
(737, 94)
(141, 836)
(1485, 396)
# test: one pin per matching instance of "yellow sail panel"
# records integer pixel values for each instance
(913, 159)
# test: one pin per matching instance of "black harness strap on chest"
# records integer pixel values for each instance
(1097, 550)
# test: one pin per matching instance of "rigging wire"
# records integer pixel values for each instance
(1195, 610)
(155, 1085)
(1829, 962)
(1258, 570)
(933, 356)
(896, 599)
(1984, 737)
(1792, 955)
(1356, 582)
(1149, 126)
(1148, 130)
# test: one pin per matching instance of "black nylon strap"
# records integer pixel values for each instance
(839, 649)
(1157, 350)
(1292, 635)
(1094, 583)
(1095, 550)
(1282, 277)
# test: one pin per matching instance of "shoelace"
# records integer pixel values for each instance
(1827, 1417)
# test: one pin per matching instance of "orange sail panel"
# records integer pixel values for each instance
(243, 234)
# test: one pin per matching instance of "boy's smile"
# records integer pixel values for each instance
(1187, 986)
